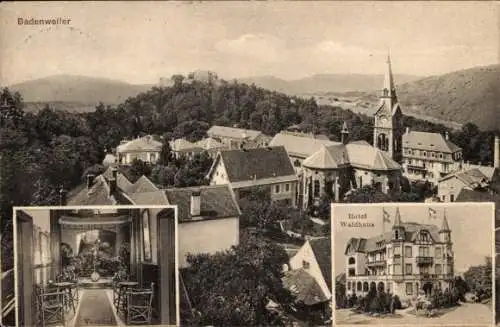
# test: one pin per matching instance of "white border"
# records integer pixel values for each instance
(105, 207)
(418, 204)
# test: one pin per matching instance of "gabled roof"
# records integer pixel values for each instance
(209, 143)
(365, 156)
(328, 157)
(255, 164)
(97, 194)
(232, 132)
(322, 249)
(216, 201)
(180, 145)
(472, 178)
(304, 287)
(377, 242)
(300, 144)
(429, 142)
(145, 143)
(358, 154)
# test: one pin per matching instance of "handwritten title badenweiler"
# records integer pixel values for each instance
(356, 221)
(44, 21)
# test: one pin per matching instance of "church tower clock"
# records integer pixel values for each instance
(388, 128)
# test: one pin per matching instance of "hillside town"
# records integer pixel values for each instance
(242, 191)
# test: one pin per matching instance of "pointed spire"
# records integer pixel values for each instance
(389, 79)
(444, 226)
(344, 133)
(397, 219)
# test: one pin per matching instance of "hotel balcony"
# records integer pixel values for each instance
(377, 263)
(424, 260)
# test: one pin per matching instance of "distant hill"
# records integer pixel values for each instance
(470, 95)
(325, 83)
(77, 89)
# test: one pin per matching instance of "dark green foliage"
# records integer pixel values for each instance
(232, 288)
(479, 279)
(139, 168)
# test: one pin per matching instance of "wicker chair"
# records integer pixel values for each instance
(140, 305)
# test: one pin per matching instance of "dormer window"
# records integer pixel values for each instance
(305, 264)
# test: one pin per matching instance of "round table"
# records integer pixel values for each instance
(66, 287)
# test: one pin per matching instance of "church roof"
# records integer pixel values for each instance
(365, 156)
(328, 157)
(358, 154)
(300, 144)
(429, 142)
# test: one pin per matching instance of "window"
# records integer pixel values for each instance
(348, 286)
(287, 187)
(316, 189)
(358, 287)
(409, 288)
(438, 253)
(452, 197)
(397, 269)
(351, 272)
(277, 189)
(397, 250)
(408, 253)
(296, 163)
(305, 264)
(146, 236)
(352, 261)
(408, 269)
(389, 252)
(423, 251)
(365, 287)
(439, 269)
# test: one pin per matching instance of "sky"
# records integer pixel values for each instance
(471, 226)
(141, 42)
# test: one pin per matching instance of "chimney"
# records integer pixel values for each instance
(407, 130)
(112, 186)
(496, 152)
(62, 196)
(195, 203)
(90, 179)
(446, 135)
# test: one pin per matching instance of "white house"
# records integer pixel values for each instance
(144, 148)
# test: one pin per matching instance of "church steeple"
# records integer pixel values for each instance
(388, 129)
(389, 90)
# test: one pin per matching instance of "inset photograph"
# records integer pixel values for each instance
(90, 266)
(416, 264)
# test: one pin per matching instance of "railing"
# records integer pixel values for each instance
(8, 292)
(376, 263)
(424, 260)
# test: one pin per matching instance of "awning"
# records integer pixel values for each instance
(97, 222)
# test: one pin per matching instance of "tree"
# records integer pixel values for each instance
(232, 288)
(257, 209)
(165, 153)
(367, 194)
(139, 168)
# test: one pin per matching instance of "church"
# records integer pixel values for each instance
(339, 167)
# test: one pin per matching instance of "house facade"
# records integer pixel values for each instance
(236, 138)
(182, 148)
(410, 258)
(247, 169)
(145, 148)
(313, 259)
(429, 156)
(473, 178)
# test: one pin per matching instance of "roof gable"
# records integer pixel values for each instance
(255, 164)
(328, 157)
(322, 249)
(304, 287)
(300, 144)
(429, 142)
(232, 132)
(216, 201)
(145, 143)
